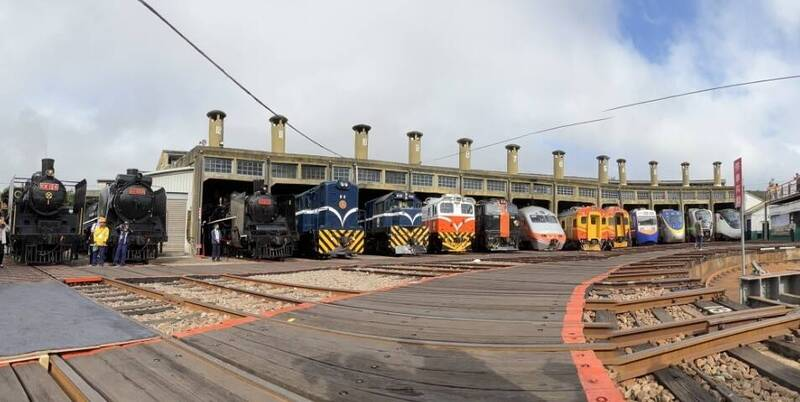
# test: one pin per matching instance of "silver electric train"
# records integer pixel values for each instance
(705, 218)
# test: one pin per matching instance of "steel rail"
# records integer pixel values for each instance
(668, 299)
(649, 360)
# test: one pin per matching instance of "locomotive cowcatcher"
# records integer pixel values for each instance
(45, 226)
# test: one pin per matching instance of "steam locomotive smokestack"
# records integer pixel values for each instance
(258, 185)
(48, 167)
(132, 172)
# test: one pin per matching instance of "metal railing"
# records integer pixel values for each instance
(787, 189)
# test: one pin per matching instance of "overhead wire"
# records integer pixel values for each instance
(231, 78)
(317, 143)
(738, 84)
(579, 123)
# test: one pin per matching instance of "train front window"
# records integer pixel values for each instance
(491, 209)
(730, 216)
(542, 218)
(703, 215)
(647, 221)
(466, 209)
(583, 220)
(673, 220)
(594, 220)
(403, 204)
(446, 208)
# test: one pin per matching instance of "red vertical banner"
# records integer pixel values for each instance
(737, 179)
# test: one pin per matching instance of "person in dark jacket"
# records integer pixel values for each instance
(121, 253)
(216, 241)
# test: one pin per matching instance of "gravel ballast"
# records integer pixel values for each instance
(336, 279)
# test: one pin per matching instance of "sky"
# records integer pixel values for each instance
(102, 86)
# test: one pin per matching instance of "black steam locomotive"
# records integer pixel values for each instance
(45, 225)
(254, 226)
(130, 198)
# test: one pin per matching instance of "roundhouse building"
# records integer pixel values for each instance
(199, 179)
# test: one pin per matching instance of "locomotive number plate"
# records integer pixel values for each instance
(264, 201)
(136, 191)
(48, 186)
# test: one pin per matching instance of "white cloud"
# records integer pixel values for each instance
(103, 86)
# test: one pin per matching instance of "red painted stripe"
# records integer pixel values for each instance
(596, 383)
(82, 279)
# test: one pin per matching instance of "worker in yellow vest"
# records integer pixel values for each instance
(100, 237)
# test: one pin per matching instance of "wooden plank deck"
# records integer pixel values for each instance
(161, 372)
(474, 336)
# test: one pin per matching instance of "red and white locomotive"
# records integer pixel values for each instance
(450, 220)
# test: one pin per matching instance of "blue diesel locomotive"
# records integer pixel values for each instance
(326, 220)
(393, 223)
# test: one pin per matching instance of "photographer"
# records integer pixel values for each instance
(3, 240)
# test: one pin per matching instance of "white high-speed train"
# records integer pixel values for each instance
(727, 225)
(540, 229)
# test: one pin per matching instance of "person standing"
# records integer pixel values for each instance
(91, 242)
(100, 237)
(698, 234)
(216, 240)
(121, 252)
(3, 240)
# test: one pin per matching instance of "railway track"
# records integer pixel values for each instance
(153, 309)
(674, 339)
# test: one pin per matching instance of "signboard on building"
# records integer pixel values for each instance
(737, 178)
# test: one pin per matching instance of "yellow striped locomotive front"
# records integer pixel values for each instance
(340, 241)
(408, 239)
(456, 242)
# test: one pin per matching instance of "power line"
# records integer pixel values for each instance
(526, 135)
(739, 84)
(230, 77)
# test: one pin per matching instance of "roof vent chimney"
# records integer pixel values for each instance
(558, 164)
(653, 173)
(464, 153)
(216, 129)
(278, 133)
(414, 147)
(362, 143)
(602, 169)
(512, 158)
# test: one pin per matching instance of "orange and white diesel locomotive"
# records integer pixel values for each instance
(450, 220)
